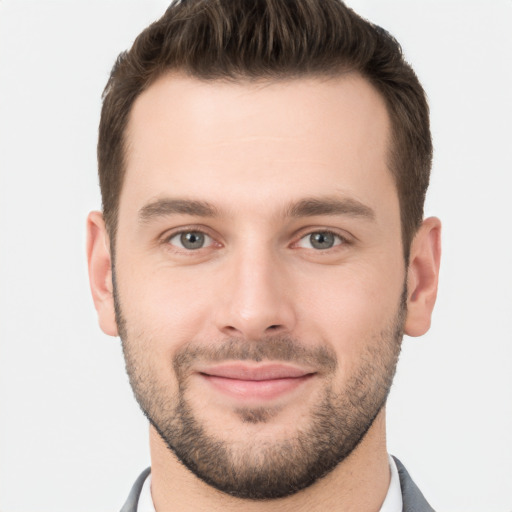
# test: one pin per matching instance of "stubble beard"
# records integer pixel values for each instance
(270, 468)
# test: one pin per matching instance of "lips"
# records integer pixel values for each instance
(261, 382)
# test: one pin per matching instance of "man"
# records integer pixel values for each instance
(262, 250)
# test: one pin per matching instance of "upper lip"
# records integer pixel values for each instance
(267, 371)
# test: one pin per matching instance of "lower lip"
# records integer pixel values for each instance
(256, 389)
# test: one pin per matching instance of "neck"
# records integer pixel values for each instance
(359, 483)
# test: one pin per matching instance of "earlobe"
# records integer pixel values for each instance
(422, 278)
(100, 272)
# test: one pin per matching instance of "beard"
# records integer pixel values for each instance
(258, 467)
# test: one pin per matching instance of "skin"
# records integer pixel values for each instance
(252, 150)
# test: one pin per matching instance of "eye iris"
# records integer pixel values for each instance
(322, 240)
(192, 240)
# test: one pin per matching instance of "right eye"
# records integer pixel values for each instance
(190, 240)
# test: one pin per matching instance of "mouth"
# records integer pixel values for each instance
(255, 382)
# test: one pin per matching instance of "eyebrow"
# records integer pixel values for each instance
(308, 207)
(164, 207)
(311, 207)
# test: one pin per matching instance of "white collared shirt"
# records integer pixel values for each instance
(145, 500)
(392, 502)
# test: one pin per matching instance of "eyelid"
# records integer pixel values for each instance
(345, 238)
(207, 239)
(169, 235)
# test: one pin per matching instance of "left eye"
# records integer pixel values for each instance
(190, 240)
(320, 240)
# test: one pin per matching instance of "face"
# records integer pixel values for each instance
(259, 276)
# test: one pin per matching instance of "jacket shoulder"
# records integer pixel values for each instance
(412, 498)
(133, 498)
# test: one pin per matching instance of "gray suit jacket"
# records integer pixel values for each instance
(412, 498)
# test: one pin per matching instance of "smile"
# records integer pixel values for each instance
(264, 382)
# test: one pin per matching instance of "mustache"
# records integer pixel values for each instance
(275, 348)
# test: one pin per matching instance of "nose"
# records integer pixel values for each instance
(256, 299)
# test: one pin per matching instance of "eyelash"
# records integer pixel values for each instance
(191, 229)
(343, 240)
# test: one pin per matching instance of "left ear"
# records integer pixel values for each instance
(423, 277)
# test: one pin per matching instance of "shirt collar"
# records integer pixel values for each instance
(145, 500)
(393, 500)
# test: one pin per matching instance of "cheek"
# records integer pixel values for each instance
(163, 304)
(352, 309)
(162, 314)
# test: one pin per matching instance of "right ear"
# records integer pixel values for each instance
(100, 272)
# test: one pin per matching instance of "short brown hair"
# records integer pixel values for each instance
(271, 39)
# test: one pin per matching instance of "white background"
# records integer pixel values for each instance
(71, 435)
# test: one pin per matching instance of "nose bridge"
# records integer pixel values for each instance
(257, 300)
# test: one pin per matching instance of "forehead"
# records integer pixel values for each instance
(287, 138)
